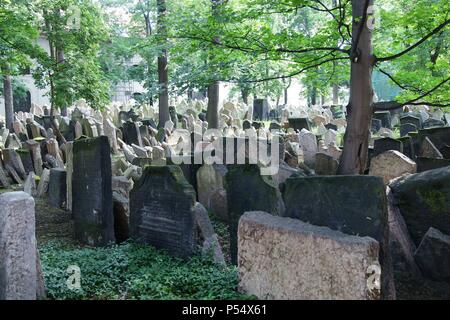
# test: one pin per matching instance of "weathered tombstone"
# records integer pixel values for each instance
(35, 151)
(283, 258)
(407, 128)
(91, 191)
(430, 123)
(57, 187)
(247, 190)
(343, 203)
(131, 133)
(210, 178)
(425, 164)
(299, 123)
(411, 119)
(391, 164)
(325, 164)
(18, 256)
(308, 143)
(408, 147)
(423, 201)
(329, 126)
(385, 117)
(385, 144)
(161, 211)
(260, 109)
(433, 255)
(440, 137)
(429, 150)
(11, 158)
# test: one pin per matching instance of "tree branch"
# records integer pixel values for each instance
(418, 43)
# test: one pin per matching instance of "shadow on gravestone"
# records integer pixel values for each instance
(161, 211)
(92, 204)
(354, 205)
(247, 190)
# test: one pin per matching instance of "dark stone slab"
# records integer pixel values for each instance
(385, 144)
(439, 136)
(407, 128)
(57, 187)
(27, 160)
(161, 211)
(411, 119)
(431, 123)
(299, 123)
(246, 125)
(445, 151)
(260, 109)
(91, 191)
(131, 133)
(331, 126)
(423, 199)
(354, 205)
(385, 117)
(408, 147)
(433, 255)
(247, 190)
(425, 164)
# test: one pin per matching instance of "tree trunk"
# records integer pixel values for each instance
(244, 94)
(313, 95)
(359, 110)
(212, 113)
(8, 95)
(60, 59)
(163, 77)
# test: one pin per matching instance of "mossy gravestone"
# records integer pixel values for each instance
(355, 205)
(161, 211)
(92, 204)
(423, 200)
(247, 190)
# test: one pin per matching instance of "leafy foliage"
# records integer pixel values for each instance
(132, 271)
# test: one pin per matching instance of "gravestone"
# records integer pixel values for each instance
(355, 205)
(385, 117)
(161, 211)
(429, 150)
(425, 164)
(18, 254)
(440, 137)
(283, 258)
(407, 128)
(329, 126)
(391, 164)
(423, 201)
(308, 143)
(57, 187)
(386, 144)
(131, 133)
(247, 190)
(91, 191)
(299, 124)
(430, 123)
(408, 147)
(411, 119)
(325, 164)
(260, 109)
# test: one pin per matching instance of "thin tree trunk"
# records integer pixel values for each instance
(212, 113)
(356, 139)
(60, 59)
(335, 94)
(244, 94)
(163, 77)
(8, 96)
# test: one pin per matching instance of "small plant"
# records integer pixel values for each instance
(133, 271)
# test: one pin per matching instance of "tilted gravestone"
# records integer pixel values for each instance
(386, 144)
(385, 117)
(161, 211)
(425, 164)
(408, 147)
(299, 123)
(247, 190)
(430, 123)
(131, 133)
(355, 205)
(57, 187)
(440, 137)
(423, 201)
(91, 191)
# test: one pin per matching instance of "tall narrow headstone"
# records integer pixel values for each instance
(92, 204)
